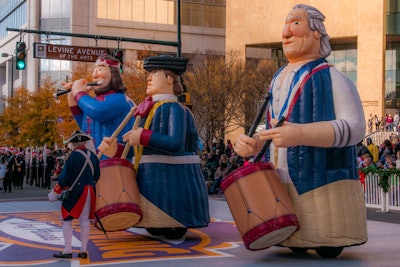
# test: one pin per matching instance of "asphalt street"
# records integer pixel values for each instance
(30, 234)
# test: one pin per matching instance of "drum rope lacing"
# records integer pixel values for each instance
(250, 211)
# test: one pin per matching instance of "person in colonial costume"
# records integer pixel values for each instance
(79, 175)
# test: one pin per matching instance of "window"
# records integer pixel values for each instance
(393, 17)
(55, 17)
(13, 14)
(392, 76)
(344, 58)
(201, 13)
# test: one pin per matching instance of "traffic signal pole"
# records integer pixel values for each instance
(97, 37)
(177, 44)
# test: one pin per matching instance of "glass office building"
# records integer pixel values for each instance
(203, 28)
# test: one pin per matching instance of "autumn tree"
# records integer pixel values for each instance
(225, 92)
(13, 125)
(42, 116)
(32, 119)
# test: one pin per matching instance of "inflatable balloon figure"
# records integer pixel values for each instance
(173, 193)
(109, 112)
(313, 153)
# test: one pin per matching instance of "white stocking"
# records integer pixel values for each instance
(85, 224)
(67, 232)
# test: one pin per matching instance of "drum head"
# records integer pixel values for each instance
(271, 239)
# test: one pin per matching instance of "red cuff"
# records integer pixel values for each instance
(79, 95)
(120, 149)
(75, 110)
(145, 137)
(58, 189)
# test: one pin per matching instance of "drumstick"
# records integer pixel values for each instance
(127, 145)
(268, 142)
(259, 115)
(120, 127)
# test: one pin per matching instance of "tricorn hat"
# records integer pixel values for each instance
(78, 136)
(166, 62)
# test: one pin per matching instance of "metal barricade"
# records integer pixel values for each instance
(375, 197)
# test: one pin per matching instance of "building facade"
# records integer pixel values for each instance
(202, 29)
(365, 38)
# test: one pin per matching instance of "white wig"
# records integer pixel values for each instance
(316, 21)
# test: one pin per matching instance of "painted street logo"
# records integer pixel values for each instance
(33, 237)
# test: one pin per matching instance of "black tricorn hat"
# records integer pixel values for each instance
(78, 136)
(166, 62)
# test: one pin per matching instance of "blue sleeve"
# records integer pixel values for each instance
(169, 129)
(105, 110)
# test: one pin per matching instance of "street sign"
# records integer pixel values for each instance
(66, 52)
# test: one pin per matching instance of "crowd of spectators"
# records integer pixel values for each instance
(385, 155)
(390, 120)
(218, 160)
(28, 166)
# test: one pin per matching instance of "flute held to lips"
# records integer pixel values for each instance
(69, 90)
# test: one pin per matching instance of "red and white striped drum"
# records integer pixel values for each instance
(117, 195)
(260, 206)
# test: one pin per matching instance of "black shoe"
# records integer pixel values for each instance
(63, 255)
(82, 255)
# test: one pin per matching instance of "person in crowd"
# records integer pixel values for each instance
(382, 123)
(389, 122)
(397, 161)
(19, 170)
(324, 120)
(203, 162)
(373, 149)
(385, 148)
(370, 123)
(366, 162)
(389, 162)
(80, 173)
(167, 136)
(220, 147)
(33, 169)
(396, 120)
(101, 115)
(40, 171)
(228, 147)
(48, 169)
(377, 122)
(3, 170)
(362, 150)
(211, 165)
(8, 180)
(220, 173)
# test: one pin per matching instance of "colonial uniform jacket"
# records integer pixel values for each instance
(73, 207)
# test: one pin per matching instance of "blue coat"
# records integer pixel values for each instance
(100, 116)
(73, 207)
(169, 174)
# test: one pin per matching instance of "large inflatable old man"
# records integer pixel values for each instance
(314, 150)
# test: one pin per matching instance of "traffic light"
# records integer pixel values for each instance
(118, 54)
(20, 63)
(185, 99)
